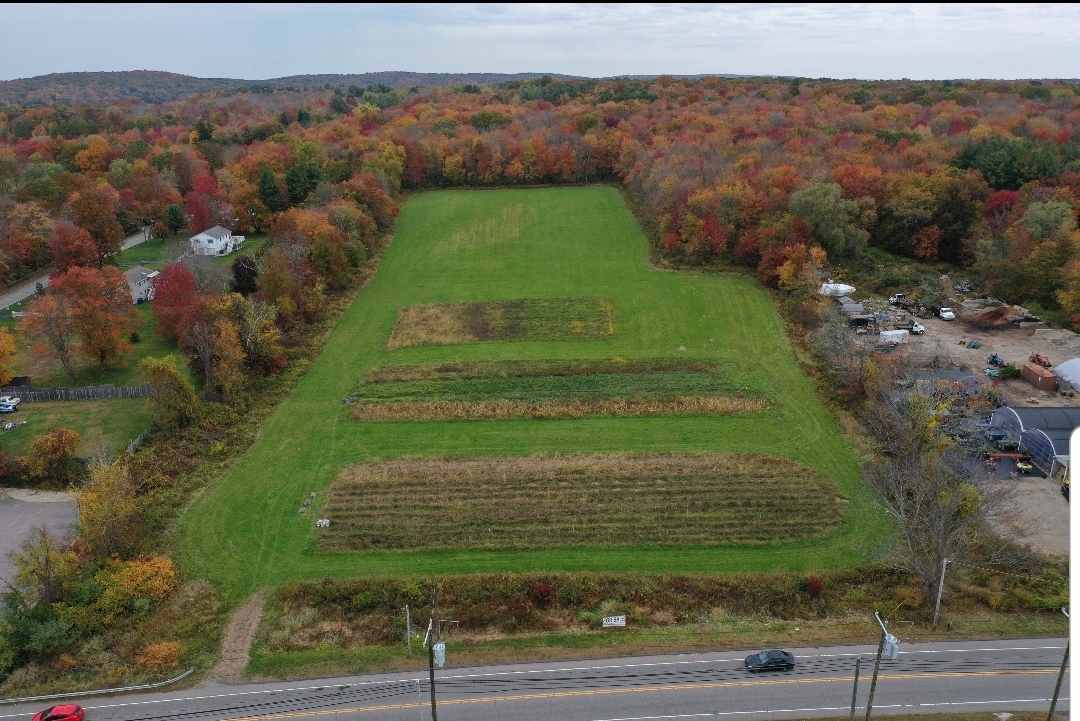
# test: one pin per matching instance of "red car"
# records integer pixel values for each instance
(64, 712)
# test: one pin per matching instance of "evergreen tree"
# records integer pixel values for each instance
(269, 193)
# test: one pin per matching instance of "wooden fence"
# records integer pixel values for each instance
(134, 445)
(77, 394)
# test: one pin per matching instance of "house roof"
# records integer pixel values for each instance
(138, 273)
(217, 232)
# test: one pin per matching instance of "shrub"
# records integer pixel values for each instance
(160, 656)
(542, 593)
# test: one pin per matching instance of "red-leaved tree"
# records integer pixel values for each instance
(175, 299)
(71, 246)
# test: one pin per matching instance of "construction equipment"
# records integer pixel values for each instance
(995, 360)
(1039, 359)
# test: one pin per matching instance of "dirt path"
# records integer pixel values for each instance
(236, 644)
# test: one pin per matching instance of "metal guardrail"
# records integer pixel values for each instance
(122, 689)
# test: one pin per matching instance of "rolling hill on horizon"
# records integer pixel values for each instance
(158, 85)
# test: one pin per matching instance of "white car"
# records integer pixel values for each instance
(10, 400)
(946, 314)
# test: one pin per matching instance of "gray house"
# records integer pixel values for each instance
(140, 280)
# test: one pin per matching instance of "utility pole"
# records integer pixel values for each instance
(408, 630)
(430, 642)
(855, 688)
(940, 588)
(886, 637)
(1061, 675)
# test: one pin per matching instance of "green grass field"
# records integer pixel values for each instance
(245, 531)
(105, 426)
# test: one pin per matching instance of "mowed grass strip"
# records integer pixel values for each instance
(503, 320)
(543, 388)
(477, 370)
(561, 501)
(391, 411)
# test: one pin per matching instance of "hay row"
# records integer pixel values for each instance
(545, 502)
(390, 411)
(503, 320)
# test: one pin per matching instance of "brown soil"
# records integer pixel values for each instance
(236, 644)
(551, 410)
(1041, 517)
(519, 319)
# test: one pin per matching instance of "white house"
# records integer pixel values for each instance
(215, 241)
(139, 280)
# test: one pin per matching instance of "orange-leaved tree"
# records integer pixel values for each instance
(7, 356)
(49, 323)
(101, 311)
(95, 211)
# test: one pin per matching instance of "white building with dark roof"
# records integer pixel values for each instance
(215, 241)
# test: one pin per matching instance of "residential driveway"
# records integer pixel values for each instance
(23, 510)
(28, 289)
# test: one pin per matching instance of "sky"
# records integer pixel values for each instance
(255, 42)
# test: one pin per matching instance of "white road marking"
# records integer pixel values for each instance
(532, 671)
(824, 708)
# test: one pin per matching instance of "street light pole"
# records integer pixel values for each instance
(886, 637)
(873, 680)
(1061, 675)
(855, 688)
(940, 588)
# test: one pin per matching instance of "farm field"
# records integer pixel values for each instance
(467, 247)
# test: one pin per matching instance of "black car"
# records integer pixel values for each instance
(770, 661)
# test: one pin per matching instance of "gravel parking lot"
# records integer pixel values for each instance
(1041, 515)
(23, 510)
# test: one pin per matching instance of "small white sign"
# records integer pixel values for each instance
(440, 654)
(614, 621)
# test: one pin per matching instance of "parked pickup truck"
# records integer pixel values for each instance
(911, 326)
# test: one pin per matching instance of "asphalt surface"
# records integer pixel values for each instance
(21, 511)
(997, 676)
(26, 290)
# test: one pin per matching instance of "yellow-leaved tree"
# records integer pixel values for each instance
(7, 356)
(111, 517)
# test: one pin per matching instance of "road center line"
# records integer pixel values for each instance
(641, 689)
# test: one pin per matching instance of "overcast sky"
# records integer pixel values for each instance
(267, 41)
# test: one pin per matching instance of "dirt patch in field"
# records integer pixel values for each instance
(553, 501)
(552, 410)
(236, 643)
(1041, 515)
(503, 320)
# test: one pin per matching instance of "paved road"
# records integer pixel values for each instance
(993, 676)
(27, 289)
